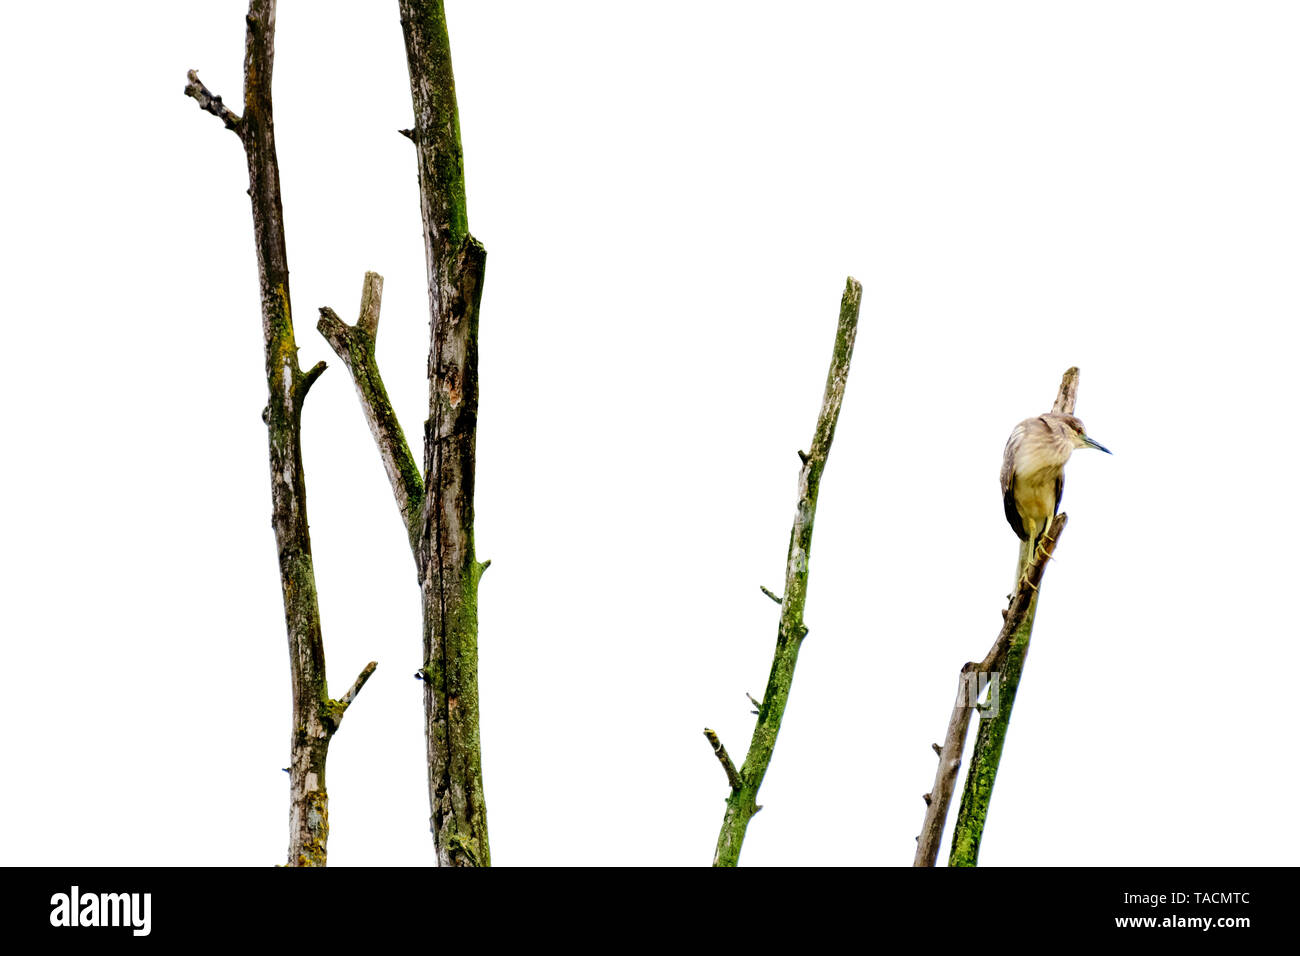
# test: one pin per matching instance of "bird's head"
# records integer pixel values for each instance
(1075, 431)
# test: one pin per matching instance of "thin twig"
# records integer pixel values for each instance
(359, 683)
(211, 101)
(309, 379)
(724, 758)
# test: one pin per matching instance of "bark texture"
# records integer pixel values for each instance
(742, 803)
(449, 573)
(316, 716)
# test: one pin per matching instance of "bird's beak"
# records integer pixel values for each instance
(1096, 444)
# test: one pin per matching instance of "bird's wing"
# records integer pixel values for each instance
(1013, 515)
(1009, 482)
(1060, 489)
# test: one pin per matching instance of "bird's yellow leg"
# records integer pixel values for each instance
(1040, 550)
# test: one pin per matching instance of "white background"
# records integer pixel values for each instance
(671, 196)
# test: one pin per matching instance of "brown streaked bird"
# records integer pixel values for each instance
(1033, 474)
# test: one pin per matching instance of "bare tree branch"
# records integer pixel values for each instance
(347, 699)
(719, 751)
(309, 379)
(210, 101)
(355, 345)
(968, 689)
(1068, 392)
(742, 804)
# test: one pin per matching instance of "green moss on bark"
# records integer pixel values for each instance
(989, 741)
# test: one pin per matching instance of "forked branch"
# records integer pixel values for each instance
(972, 681)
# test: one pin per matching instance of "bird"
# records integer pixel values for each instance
(1033, 475)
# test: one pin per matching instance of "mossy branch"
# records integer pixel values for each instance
(334, 710)
(355, 345)
(309, 379)
(742, 803)
(724, 758)
(444, 540)
(973, 679)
